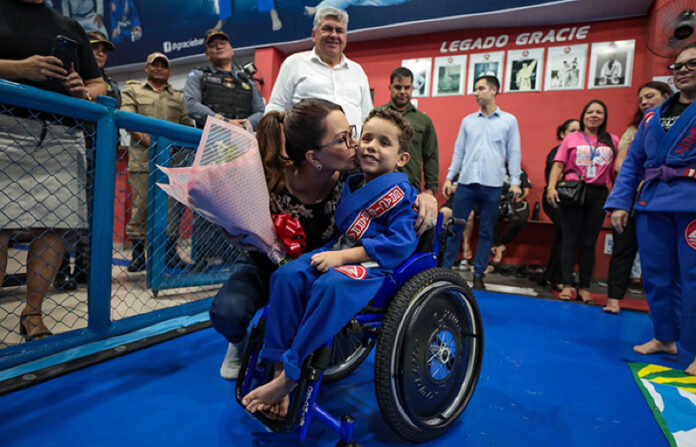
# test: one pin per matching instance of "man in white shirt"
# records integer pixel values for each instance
(324, 72)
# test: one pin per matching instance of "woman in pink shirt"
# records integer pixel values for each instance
(588, 154)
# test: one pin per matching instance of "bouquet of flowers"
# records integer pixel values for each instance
(227, 186)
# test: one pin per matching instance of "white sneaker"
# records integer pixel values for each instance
(233, 360)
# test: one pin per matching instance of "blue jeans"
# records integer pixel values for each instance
(488, 199)
(245, 292)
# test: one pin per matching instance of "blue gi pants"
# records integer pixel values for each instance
(669, 274)
(307, 308)
(488, 199)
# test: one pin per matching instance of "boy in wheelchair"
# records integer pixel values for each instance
(313, 297)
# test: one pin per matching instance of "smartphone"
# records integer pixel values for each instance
(65, 49)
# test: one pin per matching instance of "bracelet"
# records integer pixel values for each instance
(88, 95)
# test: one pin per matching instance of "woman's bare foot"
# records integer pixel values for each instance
(566, 294)
(468, 252)
(266, 396)
(655, 346)
(584, 296)
(613, 306)
(498, 254)
(691, 369)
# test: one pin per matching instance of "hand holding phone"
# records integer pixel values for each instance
(65, 49)
(41, 68)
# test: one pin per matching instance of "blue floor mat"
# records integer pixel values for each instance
(554, 373)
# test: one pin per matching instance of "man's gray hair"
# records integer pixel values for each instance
(329, 11)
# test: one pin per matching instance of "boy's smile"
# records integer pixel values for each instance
(378, 152)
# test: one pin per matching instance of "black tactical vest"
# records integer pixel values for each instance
(226, 95)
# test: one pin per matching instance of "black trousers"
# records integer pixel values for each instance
(623, 254)
(581, 227)
(516, 223)
(552, 273)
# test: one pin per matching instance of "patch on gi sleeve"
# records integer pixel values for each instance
(352, 271)
(646, 118)
(690, 234)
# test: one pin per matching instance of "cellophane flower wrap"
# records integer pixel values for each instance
(227, 186)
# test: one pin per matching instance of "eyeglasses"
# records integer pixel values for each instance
(350, 134)
(690, 65)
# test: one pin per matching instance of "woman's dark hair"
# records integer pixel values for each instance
(563, 128)
(661, 87)
(602, 134)
(303, 126)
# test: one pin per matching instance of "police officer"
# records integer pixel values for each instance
(101, 47)
(227, 93)
(156, 98)
(221, 90)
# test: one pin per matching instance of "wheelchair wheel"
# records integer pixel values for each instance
(348, 350)
(429, 354)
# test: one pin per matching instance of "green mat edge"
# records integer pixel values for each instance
(635, 367)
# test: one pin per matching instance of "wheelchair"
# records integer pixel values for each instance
(425, 326)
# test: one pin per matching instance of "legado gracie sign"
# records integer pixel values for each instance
(531, 38)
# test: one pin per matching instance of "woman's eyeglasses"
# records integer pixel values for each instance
(350, 134)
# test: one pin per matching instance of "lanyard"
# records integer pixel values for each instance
(593, 150)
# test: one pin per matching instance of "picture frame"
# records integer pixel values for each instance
(485, 63)
(565, 67)
(524, 70)
(421, 69)
(449, 75)
(611, 64)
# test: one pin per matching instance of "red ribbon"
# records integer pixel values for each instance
(291, 233)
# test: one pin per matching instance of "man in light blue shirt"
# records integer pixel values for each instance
(486, 140)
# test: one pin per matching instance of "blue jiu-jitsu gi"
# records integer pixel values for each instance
(665, 218)
(308, 307)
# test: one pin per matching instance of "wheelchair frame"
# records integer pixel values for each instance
(303, 405)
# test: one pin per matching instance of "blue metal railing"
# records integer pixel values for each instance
(108, 120)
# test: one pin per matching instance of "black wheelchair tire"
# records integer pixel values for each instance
(434, 310)
(348, 351)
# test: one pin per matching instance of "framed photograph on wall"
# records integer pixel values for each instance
(565, 67)
(485, 64)
(449, 75)
(524, 70)
(611, 64)
(421, 74)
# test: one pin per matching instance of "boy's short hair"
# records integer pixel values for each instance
(492, 81)
(397, 118)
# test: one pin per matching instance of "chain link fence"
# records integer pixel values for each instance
(43, 221)
(52, 176)
(152, 264)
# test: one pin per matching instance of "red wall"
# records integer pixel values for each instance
(538, 113)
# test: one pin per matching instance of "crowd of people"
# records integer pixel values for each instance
(319, 125)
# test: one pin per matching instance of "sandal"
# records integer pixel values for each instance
(24, 332)
(585, 300)
(566, 294)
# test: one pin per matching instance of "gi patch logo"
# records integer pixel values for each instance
(690, 234)
(379, 207)
(352, 271)
(647, 117)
